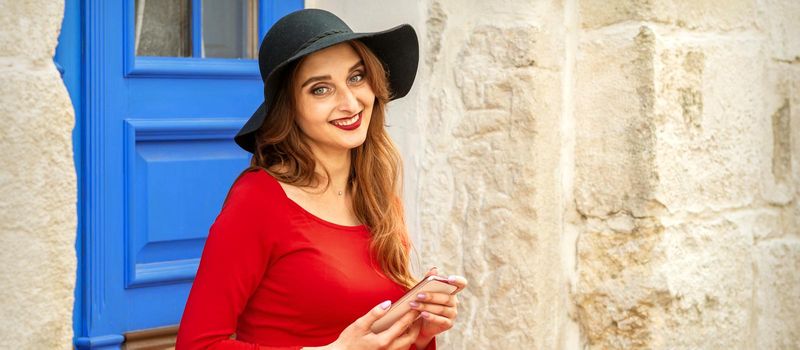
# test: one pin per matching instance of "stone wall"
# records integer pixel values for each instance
(690, 239)
(614, 174)
(37, 181)
(490, 199)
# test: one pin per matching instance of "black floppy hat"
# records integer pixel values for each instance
(303, 32)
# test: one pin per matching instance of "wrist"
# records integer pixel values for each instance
(333, 346)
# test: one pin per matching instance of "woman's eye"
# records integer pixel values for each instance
(357, 78)
(319, 90)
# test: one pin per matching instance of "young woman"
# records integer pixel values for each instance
(310, 245)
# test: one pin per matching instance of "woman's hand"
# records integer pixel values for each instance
(438, 310)
(358, 335)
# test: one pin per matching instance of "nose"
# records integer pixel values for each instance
(347, 101)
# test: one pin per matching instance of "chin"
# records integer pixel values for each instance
(356, 144)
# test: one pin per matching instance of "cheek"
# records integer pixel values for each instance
(367, 97)
(311, 112)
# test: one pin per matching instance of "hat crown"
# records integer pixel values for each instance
(294, 32)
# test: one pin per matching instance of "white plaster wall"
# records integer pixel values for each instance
(37, 181)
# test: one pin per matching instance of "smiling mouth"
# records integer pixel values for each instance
(349, 123)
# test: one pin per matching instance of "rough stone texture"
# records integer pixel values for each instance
(781, 174)
(642, 153)
(711, 125)
(491, 144)
(690, 14)
(617, 290)
(708, 281)
(615, 302)
(687, 176)
(37, 180)
(30, 29)
(615, 135)
(778, 19)
(777, 299)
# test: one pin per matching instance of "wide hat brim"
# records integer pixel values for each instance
(397, 48)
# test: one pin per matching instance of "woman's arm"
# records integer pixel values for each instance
(235, 257)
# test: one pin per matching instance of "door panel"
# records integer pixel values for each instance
(177, 172)
(158, 158)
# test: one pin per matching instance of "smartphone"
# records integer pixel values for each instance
(434, 284)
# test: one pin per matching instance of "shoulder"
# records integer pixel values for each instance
(258, 181)
(254, 188)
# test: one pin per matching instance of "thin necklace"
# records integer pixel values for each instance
(349, 181)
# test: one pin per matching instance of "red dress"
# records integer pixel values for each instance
(278, 276)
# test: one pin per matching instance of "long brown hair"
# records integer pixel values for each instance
(375, 166)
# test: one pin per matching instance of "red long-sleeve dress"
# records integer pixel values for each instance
(279, 277)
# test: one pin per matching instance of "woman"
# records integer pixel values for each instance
(310, 244)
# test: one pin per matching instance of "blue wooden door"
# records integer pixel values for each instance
(156, 156)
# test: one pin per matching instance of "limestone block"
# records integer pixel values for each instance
(781, 100)
(777, 294)
(486, 198)
(618, 295)
(30, 29)
(704, 14)
(711, 126)
(679, 286)
(779, 20)
(708, 272)
(676, 120)
(615, 132)
(37, 210)
(765, 223)
(668, 121)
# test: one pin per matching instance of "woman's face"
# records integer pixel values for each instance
(334, 99)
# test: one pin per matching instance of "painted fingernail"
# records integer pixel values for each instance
(425, 314)
(414, 304)
(451, 279)
(385, 305)
(421, 296)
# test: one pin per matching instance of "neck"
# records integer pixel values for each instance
(338, 166)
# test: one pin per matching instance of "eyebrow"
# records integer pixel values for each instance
(328, 77)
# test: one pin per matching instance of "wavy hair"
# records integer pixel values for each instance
(375, 166)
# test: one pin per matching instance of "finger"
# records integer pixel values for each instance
(458, 281)
(407, 338)
(413, 331)
(434, 271)
(436, 309)
(437, 298)
(366, 321)
(441, 322)
(401, 325)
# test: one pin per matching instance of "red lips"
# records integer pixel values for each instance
(348, 127)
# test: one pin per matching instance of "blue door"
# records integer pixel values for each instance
(165, 86)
